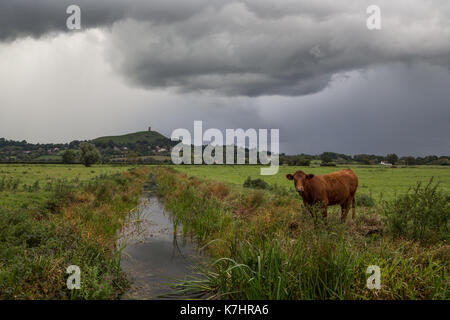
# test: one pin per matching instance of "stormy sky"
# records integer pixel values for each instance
(309, 68)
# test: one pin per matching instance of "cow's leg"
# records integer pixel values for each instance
(353, 207)
(324, 208)
(342, 208)
(308, 208)
(311, 211)
(345, 209)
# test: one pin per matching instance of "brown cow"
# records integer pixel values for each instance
(327, 190)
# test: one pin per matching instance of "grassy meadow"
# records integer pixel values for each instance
(47, 172)
(54, 216)
(264, 245)
(26, 186)
(378, 181)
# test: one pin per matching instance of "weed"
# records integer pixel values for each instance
(364, 200)
(255, 183)
(422, 214)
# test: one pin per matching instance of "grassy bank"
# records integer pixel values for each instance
(264, 247)
(49, 224)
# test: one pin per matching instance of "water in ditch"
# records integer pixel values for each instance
(154, 254)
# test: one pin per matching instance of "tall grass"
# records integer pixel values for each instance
(263, 247)
(9, 183)
(423, 214)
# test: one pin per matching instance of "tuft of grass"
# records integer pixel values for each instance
(255, 183)
(9, 183)
(220, 190)
(364, 200)
(423, 214)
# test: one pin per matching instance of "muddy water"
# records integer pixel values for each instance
(154, 254)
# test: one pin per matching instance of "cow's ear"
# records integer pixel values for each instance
(289, 176)
(309, 176)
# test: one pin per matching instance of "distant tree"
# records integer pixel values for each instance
(132, 157)
(101, 145)
(409, 161)
(297, 161)
(303, 162)
(362, 158)
(443, 162)
(69, 156)
(392, 158)
(74, 144)
(326, 157)
(430, 159)
(368, 158)
(89, 154)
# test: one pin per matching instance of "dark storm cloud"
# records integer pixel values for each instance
(254, 48)
(248, 47)
(394, 109)
(19, 18)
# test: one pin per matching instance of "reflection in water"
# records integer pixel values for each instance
(153, 255)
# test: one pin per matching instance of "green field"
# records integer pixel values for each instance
(46, 172)
(262, 244)
(26, 176)
(379, 182)
(53, 216)
(265, 245)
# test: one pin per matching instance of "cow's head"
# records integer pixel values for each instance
(300, 178)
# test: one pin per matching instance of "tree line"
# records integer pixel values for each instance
(330, 158)
(90, 153)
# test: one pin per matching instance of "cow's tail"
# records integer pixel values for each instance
(353, 207)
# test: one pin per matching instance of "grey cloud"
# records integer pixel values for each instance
(21, 18)
(248, 47)
(397, 108)
(255, 48)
